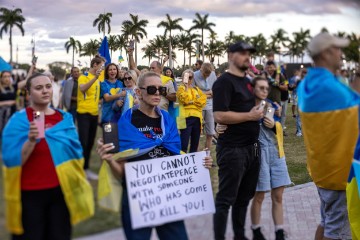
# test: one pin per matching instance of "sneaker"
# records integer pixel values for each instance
(257, 235)
(91, 175)
(280, 234)
(299, 134)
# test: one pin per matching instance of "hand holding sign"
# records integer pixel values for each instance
(168, 189)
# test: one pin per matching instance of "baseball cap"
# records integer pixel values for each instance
(241, 46)
(324, 41)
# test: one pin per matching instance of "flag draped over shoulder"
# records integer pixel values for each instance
(134, 143)
(104, 50)
(330, 116)
(66, 153)
(329, 113)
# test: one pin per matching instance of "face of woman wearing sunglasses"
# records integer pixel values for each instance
(261, 89)
(128, 81)
(149, 93)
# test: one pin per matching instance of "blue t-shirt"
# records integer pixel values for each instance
(107, 87)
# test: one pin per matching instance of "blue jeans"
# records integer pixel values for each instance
(173, 230)
(191, 132)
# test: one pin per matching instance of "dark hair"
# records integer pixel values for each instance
(107, 69)
(35, 75)
(97, 59)
(257, 79)
(172, 72)
(2, 73)
(270, 63)
(200, 62)
(72, 69)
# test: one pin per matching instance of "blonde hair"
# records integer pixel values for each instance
(133, 75)
(142, 78)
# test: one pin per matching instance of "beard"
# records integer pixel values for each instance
(242, 68)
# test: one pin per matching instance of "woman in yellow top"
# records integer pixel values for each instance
(192, 100)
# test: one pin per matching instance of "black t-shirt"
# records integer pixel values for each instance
(149, 127)
(232, 93)
(275, 92)
(8, 94)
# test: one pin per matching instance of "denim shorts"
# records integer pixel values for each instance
(273, 170)
(334, 215)
(208, 121)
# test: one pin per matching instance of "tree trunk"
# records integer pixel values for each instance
(135, 53)
(73, 56)
(170, 51)
(184, 60)
(10, 42)
(202, 43)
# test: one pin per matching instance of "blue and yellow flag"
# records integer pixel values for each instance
(353, 194)
(66, 153)
(120, 59)
(134, 143)
(329, 113)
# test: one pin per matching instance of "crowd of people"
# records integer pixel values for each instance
(47, 138)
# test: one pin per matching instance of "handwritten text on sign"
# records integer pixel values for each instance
(168, 189)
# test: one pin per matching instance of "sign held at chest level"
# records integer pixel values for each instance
(168, 189)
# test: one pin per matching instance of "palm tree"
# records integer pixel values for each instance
(278, 40)
(157, 44)
(184, 42)
(9, 19)
(101, 21)
(90, 48)
(149, 52)
(302, 38)
(121, 43)
(75, 45)
(259, 42)
(136, 29)
(170, 25)
(113, 44)
(203, 24)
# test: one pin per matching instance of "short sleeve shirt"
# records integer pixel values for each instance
(107, 87)
(233, 93)
(88, 102)
(205, 85)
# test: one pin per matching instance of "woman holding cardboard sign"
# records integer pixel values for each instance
(154, 133)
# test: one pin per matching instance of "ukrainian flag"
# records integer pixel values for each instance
(353, 196)
(66, 153)
(329, 113)
(129, 139)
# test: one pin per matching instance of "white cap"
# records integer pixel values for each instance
(323, 41)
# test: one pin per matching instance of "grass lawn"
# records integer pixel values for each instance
(104, 220)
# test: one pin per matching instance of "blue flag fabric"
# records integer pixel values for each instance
(104, 50)
(130, 137)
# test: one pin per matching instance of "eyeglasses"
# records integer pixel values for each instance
(151, 90)
(127, 78)
(262, 88)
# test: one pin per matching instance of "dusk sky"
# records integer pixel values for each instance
(53, 22)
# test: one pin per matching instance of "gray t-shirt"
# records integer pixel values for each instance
(164, 102)
(205, 85)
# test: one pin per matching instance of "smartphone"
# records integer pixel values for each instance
(39, 120)
(270, 113)
(34, 60)
(110, 135)
(186, 78)
(262, 105)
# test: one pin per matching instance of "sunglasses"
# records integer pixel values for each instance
(190, 77)
(151, 90)
(127, 78)
(262, 88)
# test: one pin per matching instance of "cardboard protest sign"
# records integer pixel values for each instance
(168, 189)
